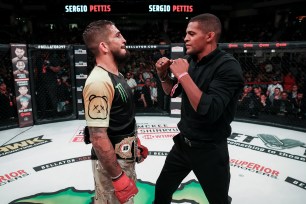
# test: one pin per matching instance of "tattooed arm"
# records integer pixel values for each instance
(104, 150)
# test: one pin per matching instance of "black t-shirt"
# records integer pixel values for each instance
(147, 95)
(108, 102)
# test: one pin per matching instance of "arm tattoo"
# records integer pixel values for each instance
(104, 150)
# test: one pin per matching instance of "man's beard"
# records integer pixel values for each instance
(121, 59)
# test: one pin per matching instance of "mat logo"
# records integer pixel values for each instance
(274, 142)
(189, 192)
(22, 145)
(271, 141)
(79, 135)
(296, 182)
(157, 131)
(255, 168)
(12, 176)
(61, 163)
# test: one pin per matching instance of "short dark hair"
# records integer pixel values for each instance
(210, 23)
(96, 32)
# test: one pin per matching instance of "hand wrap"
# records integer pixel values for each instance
(125, 188)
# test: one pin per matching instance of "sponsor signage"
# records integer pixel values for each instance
(80, 63)
(50, 47)
(22, 145)
(129, 7)
(255, 168)
(22, 87)
(268, 146)
(10, 177)
(261, 45)
(61, 163)
(296, 182)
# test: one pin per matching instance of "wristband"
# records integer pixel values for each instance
(181, 75)
(116, 177)
(178, 81)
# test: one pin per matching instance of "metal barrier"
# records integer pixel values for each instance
(143, 60)
(52, 82)
(8, 107)
(272, 64)
(262, 63)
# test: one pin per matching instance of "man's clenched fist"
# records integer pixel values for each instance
(125, 188)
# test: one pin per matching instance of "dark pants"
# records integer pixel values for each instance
(208, 161)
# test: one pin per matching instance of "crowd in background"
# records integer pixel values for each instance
(275, 85)
(260, 28)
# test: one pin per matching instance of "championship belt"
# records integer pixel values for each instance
(126, 148)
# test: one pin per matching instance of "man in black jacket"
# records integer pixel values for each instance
(210, 83)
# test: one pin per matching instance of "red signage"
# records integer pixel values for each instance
(182, 8)
(100, 8)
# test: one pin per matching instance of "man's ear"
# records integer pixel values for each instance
(210, 36)
(103, 46)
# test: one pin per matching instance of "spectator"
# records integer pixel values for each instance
(7, 103)
(47, 86)
(244, 99)
(283, 105)
(257, 90)
(147, 74)
(276, 95)
(145, 96)
(299, 105)
(64, 95)
(293, 93)
(265, 104)
(161, 52)
(140, 83)
(131, 81)
(153, 89)
(254, 103)
(288, 81)
(275, 84)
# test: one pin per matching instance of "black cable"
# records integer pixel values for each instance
(16, 136)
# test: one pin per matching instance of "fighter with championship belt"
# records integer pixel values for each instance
(110, 117)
